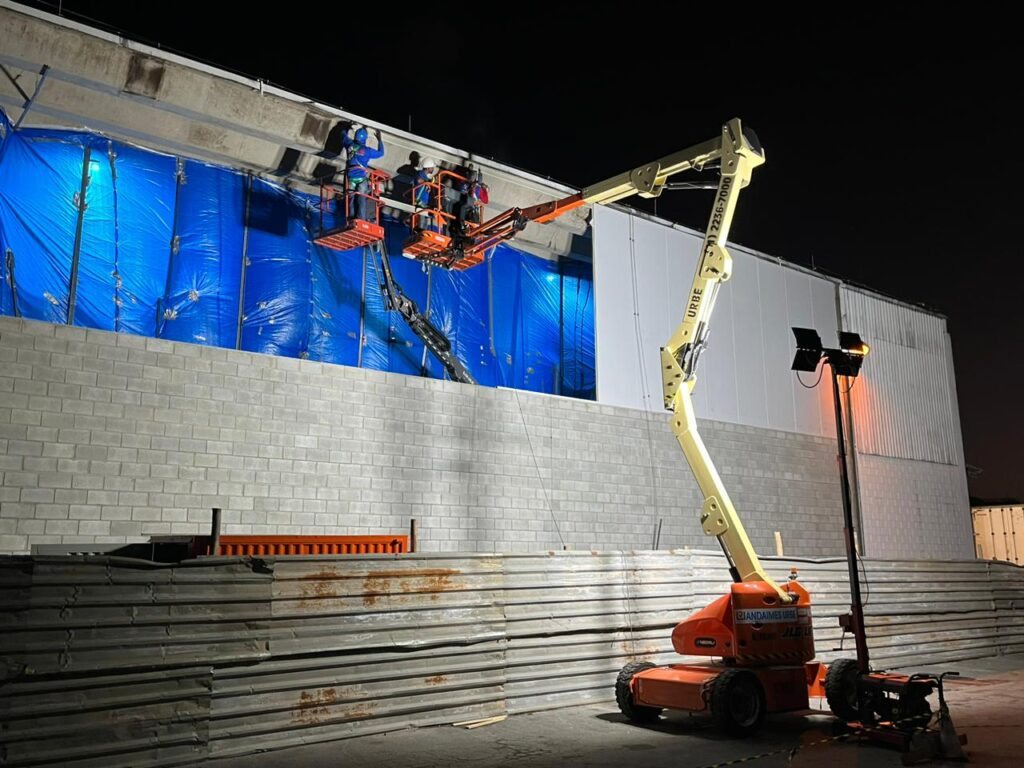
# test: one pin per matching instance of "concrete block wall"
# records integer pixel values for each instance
(914, 509)
(114, 438)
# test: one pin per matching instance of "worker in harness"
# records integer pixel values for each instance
(422, 193)
(473, 197)
(357, 166)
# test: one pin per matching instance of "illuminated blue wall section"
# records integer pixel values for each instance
(105, 235)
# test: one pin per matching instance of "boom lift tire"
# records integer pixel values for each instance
(737, 702)
(624, 696)
(841, 689)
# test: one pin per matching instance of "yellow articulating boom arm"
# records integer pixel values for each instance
(737, 154)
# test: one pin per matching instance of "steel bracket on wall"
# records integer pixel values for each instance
(29, 100)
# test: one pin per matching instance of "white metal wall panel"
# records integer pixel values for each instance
(642, 273)
(615, 322)
(957, 436)
(778, 349)
(681, 250)
(806, 409)
(653, 297)
(904, 403)
(906, 421)
(719, 365)
(826, 316)
(751, 388)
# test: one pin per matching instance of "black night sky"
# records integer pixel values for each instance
(894, 155)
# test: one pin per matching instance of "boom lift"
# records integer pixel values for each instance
(761, 631)
(736, 153)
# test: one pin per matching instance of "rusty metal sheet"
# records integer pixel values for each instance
(336, 696)
(412, 601)
(329, 586)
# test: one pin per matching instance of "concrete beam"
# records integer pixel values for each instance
(128, 91)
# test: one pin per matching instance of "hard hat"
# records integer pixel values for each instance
(361, 135)
(428, 163)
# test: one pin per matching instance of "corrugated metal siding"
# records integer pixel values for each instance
(116, 662)
(916, 612)
(1008, 597)
(903, 402)
(575, 619)
(113, 720)
(98, 613)
(396, 643)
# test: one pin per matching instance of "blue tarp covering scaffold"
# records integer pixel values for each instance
(100, 234)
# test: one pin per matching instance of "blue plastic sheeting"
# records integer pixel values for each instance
(6, 174)
(405, 353)
(40, 180)
(278, 293)
(526, 317)
(144, 192)
(335, 289)
(200, 303)
(579, 374)
(95, 292)
(337, 285)
(125, 238)
(459, 307)
(389, 345)
(161, 254)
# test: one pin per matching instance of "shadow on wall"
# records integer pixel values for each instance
(267, 213)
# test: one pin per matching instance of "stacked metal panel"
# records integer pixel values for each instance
(109, 661)
(117, 662)
(368, 647)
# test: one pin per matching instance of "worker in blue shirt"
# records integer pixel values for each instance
(357, 166)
